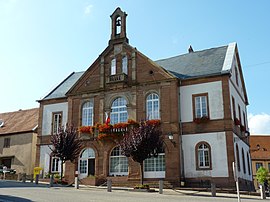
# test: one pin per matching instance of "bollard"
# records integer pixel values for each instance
(51, 180)
(76, 180)
(19, 177)
(262, 190)
(161, 183)
(23, 177)
(36, 180)
(213, 189)
(32, 178)
(109, 185)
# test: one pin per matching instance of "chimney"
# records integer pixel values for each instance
(190, 49)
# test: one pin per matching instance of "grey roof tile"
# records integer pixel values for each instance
(61, 90)
(196, 64)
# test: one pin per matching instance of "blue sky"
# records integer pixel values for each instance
(43, 41)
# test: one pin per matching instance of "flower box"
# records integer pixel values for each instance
(202, 119)
(237, 122)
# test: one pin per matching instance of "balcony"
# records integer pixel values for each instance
(122, 77)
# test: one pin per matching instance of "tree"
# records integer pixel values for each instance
(143, 142)
(262, 175)
(66, 145)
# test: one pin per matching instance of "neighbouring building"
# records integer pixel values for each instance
(199, 97)
(18, 139)
(260, 154)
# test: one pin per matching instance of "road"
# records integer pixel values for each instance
(27, 192)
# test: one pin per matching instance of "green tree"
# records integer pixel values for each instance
(66, 145)
(262, 175)
(143, 142)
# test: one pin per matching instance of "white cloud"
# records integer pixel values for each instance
(259, 124)
(87, 9)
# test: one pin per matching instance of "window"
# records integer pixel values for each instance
(118, 162)
(239, 113)
(113, 66)
(125, 65)
(87, 162)
(155, 164)
(203, 156)
(238, 158)
(119, 111)
(258, 165)
(55, 164)
(57, 122)
(6, 142)
(200, 105)
(233, 106)
(236, 75)
(243, 161)
(87, 114)
(244, 119)
(152, 106)
(249, 171)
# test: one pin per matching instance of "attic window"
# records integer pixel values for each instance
(1, 123)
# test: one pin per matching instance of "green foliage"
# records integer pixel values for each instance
(262, 175)
(56, 176)
(142, 186)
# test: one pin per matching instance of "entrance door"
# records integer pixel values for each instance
(91, 167)
(6, 162)
(87, 163)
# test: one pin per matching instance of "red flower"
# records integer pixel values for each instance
(85, 129)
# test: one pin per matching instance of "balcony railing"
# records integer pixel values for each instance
(122, 77)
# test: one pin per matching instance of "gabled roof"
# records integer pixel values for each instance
(61, 90)
(196, 64)
(19, 121)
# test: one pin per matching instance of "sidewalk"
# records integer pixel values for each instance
(176, 192)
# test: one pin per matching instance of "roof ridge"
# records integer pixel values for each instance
(20, 110)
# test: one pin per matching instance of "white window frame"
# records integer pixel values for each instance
(113, 66)
(56, 122)
(152, 106)
(119, 111)
(155, 167)
(55, 164)
(88, 114)
(121, 163)
(204, 156)
(201, 105)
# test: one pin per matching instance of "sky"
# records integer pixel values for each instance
(43, 41)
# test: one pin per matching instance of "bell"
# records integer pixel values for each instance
(118, 22)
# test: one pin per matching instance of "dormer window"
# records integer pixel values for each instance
(125, 65)
(113, 66)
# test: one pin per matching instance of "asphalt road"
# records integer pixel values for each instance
(26, 192)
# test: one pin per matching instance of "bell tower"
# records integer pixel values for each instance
(118, 34)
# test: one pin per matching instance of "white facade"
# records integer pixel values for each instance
(214, 90)
(47, 116)
(242, 146)
(219, 161)
(45, 158)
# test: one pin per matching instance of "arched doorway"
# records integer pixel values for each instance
(87, 163)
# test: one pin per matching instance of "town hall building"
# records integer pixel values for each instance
(199, 97)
